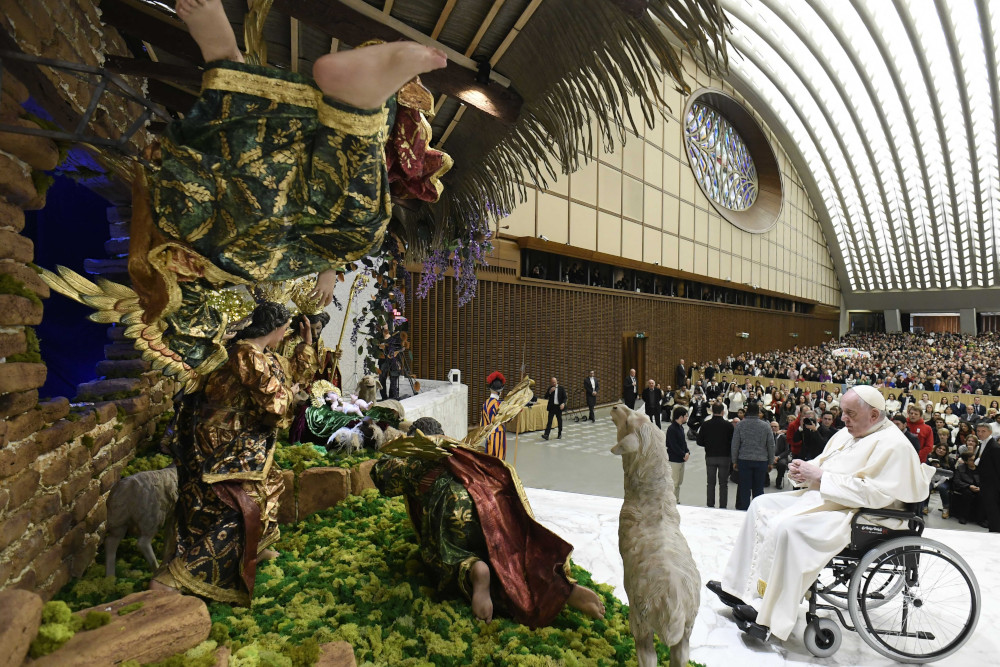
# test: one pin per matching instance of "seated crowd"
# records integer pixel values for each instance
(950, 436)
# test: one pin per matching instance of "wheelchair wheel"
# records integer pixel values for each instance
(822, 637)
(930, 615)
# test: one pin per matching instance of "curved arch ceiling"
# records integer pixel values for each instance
(893, 107)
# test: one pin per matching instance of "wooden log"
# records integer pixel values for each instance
(165, 625)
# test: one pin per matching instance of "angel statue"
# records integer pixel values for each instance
(228, 485)
(474, 524)
(271, 176)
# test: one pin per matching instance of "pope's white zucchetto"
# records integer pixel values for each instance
(871, 396)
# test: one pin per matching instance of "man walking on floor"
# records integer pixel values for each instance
(677, 449)
(557, 403)
(716, 436)
(631, 389)
(752, 453)
(651, 397)
(590, 387)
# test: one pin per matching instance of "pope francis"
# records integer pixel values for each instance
(787, 538)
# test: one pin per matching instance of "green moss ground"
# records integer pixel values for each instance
(299, 457)
(353, 573)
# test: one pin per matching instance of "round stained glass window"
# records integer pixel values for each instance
(720, 158)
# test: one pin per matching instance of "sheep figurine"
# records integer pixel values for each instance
(139, 504)
(368, 388)
(661, 579)
(347, 440)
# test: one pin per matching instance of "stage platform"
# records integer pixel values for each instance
(590, 523)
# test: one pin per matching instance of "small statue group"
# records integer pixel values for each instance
(355, 406)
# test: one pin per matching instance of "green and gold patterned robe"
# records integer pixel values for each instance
(228, 485)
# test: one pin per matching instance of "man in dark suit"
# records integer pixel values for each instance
(590, 387)
(957, 407)
(821, 395)
(989, 475)
(557, 403)
(680, 375)
(977, 407)
(651, 397)
(631, 389)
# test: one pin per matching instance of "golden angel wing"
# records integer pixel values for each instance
(118, 304)
(509, 408)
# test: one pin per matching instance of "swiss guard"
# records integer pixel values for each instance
(496, 443)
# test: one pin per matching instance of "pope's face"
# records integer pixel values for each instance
(858, 416)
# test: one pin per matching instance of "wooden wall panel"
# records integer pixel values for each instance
(937, 323)
(567, 331)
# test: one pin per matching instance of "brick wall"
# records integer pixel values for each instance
(71, 30)
(58, 461)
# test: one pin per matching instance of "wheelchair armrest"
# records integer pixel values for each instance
(913, 517)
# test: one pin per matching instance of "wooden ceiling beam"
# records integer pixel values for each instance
(180, 74)
(353, 27)
(443, 18)
(484, 26)
(160, 32)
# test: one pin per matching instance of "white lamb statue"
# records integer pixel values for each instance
(661, 579)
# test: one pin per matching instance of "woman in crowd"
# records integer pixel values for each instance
(994, 406)
(963, 433)
(926, 404)
(965, 489)
(951, 420)
(970, 444)
(786, 413)
(228, 485)
(943, 461)
(891, 404)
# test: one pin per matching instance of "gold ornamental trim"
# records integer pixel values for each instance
(247, 83)
(354, 123)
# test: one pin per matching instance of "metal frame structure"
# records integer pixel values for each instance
(104, 82)
(891, 104)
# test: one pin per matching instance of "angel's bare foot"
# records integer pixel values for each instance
(587, 601)
(482, 603)
(366, 77)
(267, 554)
(207, 21)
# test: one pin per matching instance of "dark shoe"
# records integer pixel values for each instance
(767, 482)
(963, 521)
(726, 598)
(545, 437)
(745, 612)
(559, 437)
(983, 524)
(755, 630)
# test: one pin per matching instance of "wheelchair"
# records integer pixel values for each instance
(910, 598)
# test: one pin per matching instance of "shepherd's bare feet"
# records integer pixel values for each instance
(482, 603)
(587, 601)
(323, 292)
(366, 77)
(210, 27)
(267, 554)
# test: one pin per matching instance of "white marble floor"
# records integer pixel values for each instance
(590, 523)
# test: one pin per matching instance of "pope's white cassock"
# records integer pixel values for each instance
(787, 538)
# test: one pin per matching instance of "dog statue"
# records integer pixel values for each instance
(139, 504)
(368, 388)
(661, 579)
